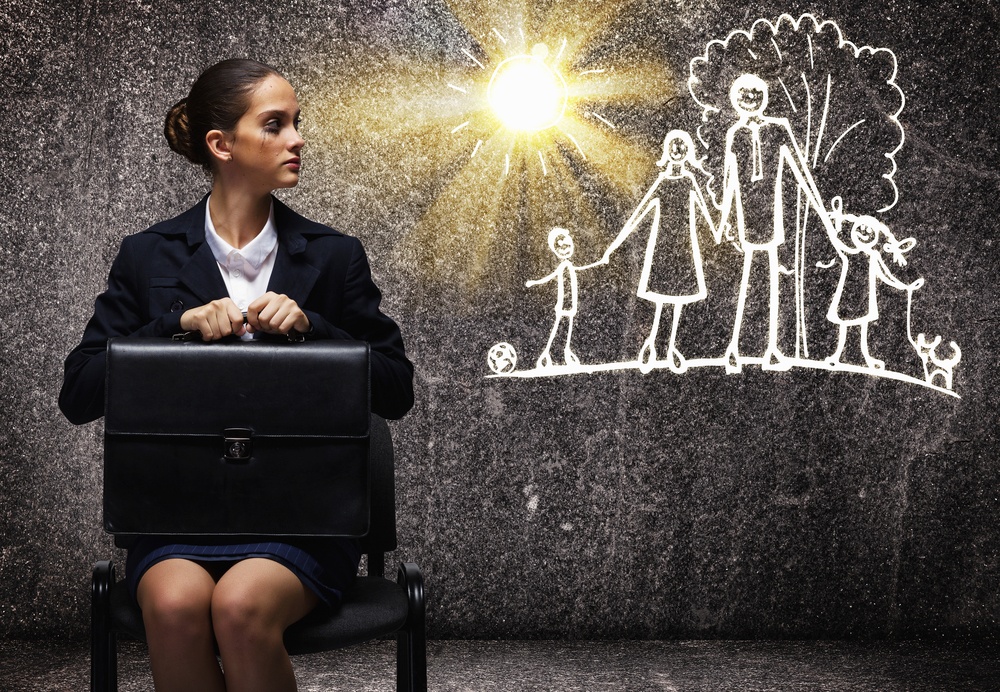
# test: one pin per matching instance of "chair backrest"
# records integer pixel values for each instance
(381, 536)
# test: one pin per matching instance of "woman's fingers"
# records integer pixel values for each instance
(272, 313)
(276, 313)
(214, 320)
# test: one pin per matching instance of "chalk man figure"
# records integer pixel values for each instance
(759, 150)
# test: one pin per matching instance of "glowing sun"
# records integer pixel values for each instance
(526, 94)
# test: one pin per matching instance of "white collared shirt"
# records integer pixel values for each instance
(246, 271)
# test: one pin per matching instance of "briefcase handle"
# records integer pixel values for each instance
(194, 335)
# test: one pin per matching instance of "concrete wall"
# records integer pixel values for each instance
(801, 503)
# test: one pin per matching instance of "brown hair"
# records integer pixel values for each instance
(218, 99)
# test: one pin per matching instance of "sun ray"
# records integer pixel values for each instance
(581, 29)
(602, 119)
(638, 84)
(575, 143)
(474, 59)
(624, 164)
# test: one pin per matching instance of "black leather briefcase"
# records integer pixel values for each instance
(245, 438)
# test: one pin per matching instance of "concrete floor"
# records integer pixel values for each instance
(551, 666)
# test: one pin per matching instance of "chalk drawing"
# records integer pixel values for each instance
(561, 244)
(759, 149)
(527, 99)
(862, 269)
(672, 270)
(798, 126)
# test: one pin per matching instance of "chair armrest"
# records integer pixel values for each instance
(101, 583)
(103, 651)
(412, 581)
(411, 646)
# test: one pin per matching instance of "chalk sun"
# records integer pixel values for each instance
(524, 117)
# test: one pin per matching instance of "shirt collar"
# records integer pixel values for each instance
(254, 252)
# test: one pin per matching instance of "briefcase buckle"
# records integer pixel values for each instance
(239, 445)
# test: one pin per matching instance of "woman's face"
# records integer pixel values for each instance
(266, 143)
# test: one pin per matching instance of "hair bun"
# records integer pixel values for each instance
(220, 96)
(177, 130)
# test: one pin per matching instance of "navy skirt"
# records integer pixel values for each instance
(326, 566)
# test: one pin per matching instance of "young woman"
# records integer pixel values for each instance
(237, 251)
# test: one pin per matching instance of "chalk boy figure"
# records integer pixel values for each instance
(561, 244)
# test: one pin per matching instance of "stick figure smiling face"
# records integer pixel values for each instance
(864, 234)
(561, 243)
(749, 94)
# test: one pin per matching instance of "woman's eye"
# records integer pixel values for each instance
(298, 121)
(273, 126)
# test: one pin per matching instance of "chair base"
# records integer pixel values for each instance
(379, 608)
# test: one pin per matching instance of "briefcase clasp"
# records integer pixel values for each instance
(239, 445)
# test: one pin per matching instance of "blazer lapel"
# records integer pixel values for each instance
(292, 274)
(201, 272)
(202, 276)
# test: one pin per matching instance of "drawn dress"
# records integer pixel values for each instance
(855, 301)
(672, 270)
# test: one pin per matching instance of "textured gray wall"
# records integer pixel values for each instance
(796, 504)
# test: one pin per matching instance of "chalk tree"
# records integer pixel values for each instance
(841, 100)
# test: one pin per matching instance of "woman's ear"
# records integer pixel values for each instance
(220, 146)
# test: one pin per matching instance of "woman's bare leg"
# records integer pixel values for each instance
(175, 596)
(252, 605)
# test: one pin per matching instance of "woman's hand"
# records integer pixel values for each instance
(276, 313)
(214, 320)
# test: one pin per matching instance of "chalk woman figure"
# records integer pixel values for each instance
(672, 271)
(855, 301)
(237, 250)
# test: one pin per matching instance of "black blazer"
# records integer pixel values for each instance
(169, 268)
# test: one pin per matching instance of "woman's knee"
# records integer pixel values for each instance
(242, 616)
(177, 606)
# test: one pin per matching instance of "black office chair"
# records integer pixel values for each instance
(374, 607)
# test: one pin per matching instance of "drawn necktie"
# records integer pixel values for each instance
(758, 161)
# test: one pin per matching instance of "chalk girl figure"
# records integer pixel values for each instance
(561, 244)
(672, 270)
(855, 301)
(238, 249)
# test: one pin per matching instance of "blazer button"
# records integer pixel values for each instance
(177, 305)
